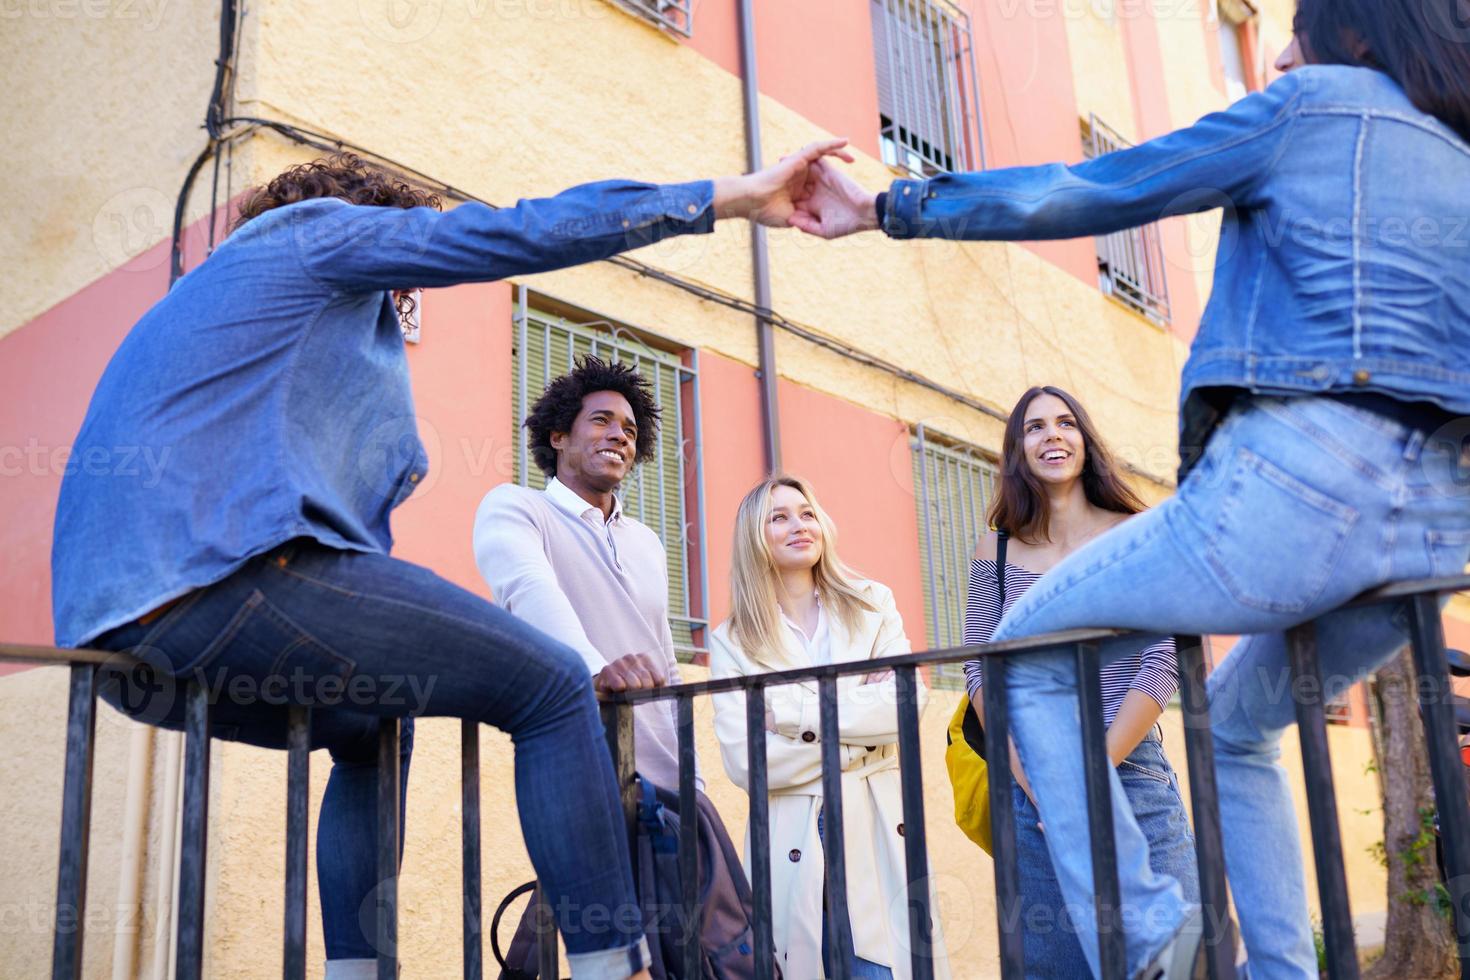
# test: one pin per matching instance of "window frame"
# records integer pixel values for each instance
(674, 17)
(943, 629)
(620, 342)
(1121, 255)
(950, 103)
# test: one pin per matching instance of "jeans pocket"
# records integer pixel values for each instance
(1268, 512)
(1448, 551)
(1129, 767)
(263, 656)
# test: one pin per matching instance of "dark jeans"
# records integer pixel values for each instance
(363, 636)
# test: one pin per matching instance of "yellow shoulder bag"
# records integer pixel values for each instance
(964, 746)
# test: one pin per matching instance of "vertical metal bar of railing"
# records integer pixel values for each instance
(1209, 845)
(1096, 769)
(1337, 919)
(469, 803)
(545, 919)
(298, 786)
(1436, 705)
(189, 959)
(1008, 909)
(916, 858)
(688, 841)
(834, 851)
(76, 818)
(388, 797)
(760, 830)
(617, 725)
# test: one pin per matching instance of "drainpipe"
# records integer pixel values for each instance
(760, 258)
(130, 876)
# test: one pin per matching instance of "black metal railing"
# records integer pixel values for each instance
(1420, 600)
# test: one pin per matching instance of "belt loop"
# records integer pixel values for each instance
(1414, 446)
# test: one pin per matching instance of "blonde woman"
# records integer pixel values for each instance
(796, 605)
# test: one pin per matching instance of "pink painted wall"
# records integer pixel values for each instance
(462, 395)
(1029, 103)
(1151, 109)
(864, 479)
(734, 461)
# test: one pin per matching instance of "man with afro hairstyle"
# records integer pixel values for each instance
(568, 560)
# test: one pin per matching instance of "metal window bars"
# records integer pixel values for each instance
(954, 486)
(672, 16)
(1130, 262)
(928, 96)
(1418, 599)
(667, 492)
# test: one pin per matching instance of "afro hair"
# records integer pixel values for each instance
(557, 408)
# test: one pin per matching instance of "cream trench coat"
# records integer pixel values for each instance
(872, 804)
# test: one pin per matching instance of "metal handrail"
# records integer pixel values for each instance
(1427, 641)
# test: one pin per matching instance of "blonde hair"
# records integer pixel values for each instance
(755, 618)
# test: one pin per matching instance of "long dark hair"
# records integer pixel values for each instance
(1022, 506)
(1423, 45)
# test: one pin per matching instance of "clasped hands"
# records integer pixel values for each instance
(805, 190)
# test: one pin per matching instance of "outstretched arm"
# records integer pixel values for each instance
(357, 248)
(1220, 161)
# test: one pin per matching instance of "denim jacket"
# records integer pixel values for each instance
(1344, 257)
(266, 397)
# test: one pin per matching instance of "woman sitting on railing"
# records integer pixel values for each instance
(1322, 435)
(796, 605)
(1059, 488)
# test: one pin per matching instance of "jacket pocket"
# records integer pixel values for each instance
(1267, 511)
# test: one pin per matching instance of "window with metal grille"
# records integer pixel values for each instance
(1130, 263)
(928, 106)
(665, 493)
(674, 16)
(954, 485)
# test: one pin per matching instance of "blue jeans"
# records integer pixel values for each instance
(1297, 506)
(364, 636)
(1048, 924)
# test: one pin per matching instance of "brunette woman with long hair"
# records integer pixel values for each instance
(1059, 489)
(794, 604)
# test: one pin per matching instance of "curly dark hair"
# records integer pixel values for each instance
(557, 408)
(342, 175)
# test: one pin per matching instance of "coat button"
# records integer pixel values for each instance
(808, 737)
(900, 830)
(795, 855)
(413, 478)
(1361, 376)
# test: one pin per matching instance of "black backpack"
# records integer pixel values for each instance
(726, 936)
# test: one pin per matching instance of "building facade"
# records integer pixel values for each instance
(895, 363)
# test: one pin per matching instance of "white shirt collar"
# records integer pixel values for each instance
(568, 501)
(816, 644)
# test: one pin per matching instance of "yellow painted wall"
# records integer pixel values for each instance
(102, 117)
